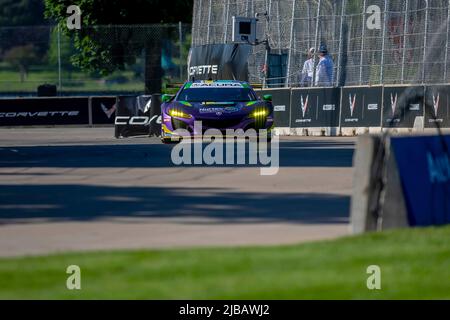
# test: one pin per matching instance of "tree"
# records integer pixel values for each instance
(21, 57)
(21, 13)
(16, 17)
(104, 45)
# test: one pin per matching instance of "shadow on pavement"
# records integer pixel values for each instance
(292, 154)
(57, 203)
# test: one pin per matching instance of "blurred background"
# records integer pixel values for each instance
(115, 51)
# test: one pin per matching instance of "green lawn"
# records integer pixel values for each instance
(78, 81)
(415, 264)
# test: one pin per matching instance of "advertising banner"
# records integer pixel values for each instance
(133, 116)
(402, 105)
(44, 111)
(437, 108)
(424, 168)
(281, 104)
(103, 110)
(361, 107)
(315, 107)
(219, 62)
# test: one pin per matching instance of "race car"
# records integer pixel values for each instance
(221, 104)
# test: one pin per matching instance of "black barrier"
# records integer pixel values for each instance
(315, 107)
(361, 107)
(219, 62)
(402, 105)
(103, 110)
(133, 116)
(437, 109)
(281, 104)
(44, 111)
(155, 115)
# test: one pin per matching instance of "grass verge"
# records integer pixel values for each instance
(415, 264)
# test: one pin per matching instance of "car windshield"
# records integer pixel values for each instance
(216, 94)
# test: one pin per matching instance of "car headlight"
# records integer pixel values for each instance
(179, 114)
(260, 113)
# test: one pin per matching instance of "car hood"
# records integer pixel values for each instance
(215, 110)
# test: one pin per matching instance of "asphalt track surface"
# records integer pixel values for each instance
(77, 189)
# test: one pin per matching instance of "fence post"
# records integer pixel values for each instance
(58, 30)
(199, 21)
(279, 26)
(290, 45)
(446, 41)
(227, 12)
(266, 54)
(383, 46)
(180, 35)
(209, 21)
(363, 34)
(405, 26)
(341, 44)
(425, 38)
(316, 40)
(309, 23)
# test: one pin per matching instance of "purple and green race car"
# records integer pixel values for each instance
(221, 105)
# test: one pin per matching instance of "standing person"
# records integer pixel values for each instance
(324, 69)
(308, 70)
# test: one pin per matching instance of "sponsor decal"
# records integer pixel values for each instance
(219, 111)
(394, 104)
(304, 108)
(394, 100)
(329, 107)
(279, 108)
(148, 106)
(39, 114)
(109, 112)
(436, 104)
(137, 120)
(352, 103)
(304, 104)
(414, 107)
(216, 85)
(212, 103)
(201, 70)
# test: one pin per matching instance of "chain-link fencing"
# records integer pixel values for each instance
(120, 59)
(370, 41)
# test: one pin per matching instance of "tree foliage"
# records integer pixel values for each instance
(21, 57)
(104, 45)
(21, 13)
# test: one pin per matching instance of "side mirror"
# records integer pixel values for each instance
(267, 97)
(166, 98)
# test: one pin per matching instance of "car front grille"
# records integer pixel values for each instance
(220, 123)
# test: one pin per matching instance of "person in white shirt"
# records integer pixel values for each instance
(307, 75)
(324, 69)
